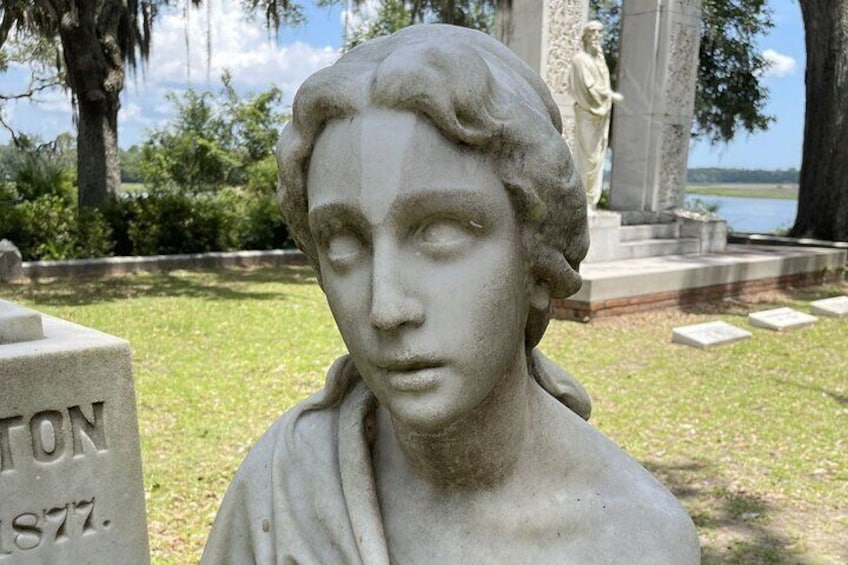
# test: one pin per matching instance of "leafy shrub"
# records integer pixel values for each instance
(51, 227)
(214, 141)
(34, 178)
(199, 212)
(259, 224)
(262, 176)
(94, 235)
(38, 211)
(168, 222)
(172, 222)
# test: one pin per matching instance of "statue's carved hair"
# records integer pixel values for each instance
(478, 94)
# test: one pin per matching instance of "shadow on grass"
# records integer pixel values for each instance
(734, 526)
(840, 399)
(219, 284)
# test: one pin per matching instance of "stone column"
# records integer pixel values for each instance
(546, 34)
(657, 70)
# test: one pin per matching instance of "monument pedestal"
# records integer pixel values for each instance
(623, 286)
(71, 487)
(682, 258)
(612, 236)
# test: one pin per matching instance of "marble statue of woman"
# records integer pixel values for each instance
(593, 99)
(425, 178)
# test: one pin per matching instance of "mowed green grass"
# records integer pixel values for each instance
(751, 436)
(746, 190)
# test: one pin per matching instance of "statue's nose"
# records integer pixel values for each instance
(393, 302)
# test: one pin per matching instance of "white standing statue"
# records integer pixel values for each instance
(425, 177)
(593, 99)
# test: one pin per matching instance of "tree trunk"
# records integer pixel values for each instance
(98, 160)
(91, 45)
(823, 192)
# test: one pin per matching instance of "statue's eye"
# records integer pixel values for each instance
(343, 249)
(446, 234)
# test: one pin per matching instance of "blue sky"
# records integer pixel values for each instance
(243, 47)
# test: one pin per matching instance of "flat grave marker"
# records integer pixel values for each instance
(836, 307)
(780, 319)
(708, 334)
(71, 486)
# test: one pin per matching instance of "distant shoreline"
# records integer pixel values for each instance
(784, 191)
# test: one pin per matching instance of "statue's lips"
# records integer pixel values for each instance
(412, 375)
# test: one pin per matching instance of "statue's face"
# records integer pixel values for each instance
(422, 263)
(592, 39)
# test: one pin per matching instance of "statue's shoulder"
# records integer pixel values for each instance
(621, 507)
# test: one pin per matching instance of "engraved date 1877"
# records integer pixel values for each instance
(58, 525)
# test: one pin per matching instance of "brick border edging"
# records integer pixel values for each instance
(565, 309)
(79, 268)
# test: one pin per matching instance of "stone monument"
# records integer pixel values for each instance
(426, 180)
(546, 35)
(10, 262)
(657, 70)
(593, 100)
(70, 466)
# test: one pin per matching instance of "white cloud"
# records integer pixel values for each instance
(239, 45)
(254, 58)
(359, 16)
(779, 65)
(130, 112)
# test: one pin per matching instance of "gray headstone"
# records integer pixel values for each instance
(708, 334)
(71, 486)
(780, 319)
(836, 307)
(18, 324)
(10, 262)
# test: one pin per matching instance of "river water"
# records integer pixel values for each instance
(755, 215)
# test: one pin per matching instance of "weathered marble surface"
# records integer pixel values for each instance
(779, 319)
(657, 73)
(546, 35)
(593, 100)
(11, 268)
(708, 334)
(425, 177)
(19, 324)
(836, 307)
(70, 464)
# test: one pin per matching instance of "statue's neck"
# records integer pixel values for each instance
(477, 451)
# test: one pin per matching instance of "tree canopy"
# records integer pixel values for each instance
(393, 15)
